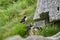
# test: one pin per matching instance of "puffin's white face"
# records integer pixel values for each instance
(36, 29)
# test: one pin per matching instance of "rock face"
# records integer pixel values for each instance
(16, 37)
(51, 6)
(39, 23)
(35, 37)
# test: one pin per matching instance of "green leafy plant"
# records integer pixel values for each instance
(49, 30)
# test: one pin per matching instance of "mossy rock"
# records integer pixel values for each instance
(44, 15)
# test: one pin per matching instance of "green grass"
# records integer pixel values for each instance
(12, 13)
(49, 30)
(1, 36)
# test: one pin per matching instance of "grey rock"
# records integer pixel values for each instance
(16, 37)
(50, 6)
(39, 23)
(35, 37)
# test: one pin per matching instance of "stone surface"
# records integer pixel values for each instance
(16, 37)
(39, 23)
(48, 5)
(35, 37)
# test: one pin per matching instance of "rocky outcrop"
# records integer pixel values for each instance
(38, 38)
(40, 23)
(51, 6)
(16, 37)
(35, 37)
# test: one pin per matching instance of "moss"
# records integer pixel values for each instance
(44, 15)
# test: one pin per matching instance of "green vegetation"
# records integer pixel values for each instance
(1, 36)
(49, 30)
(12, 11)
